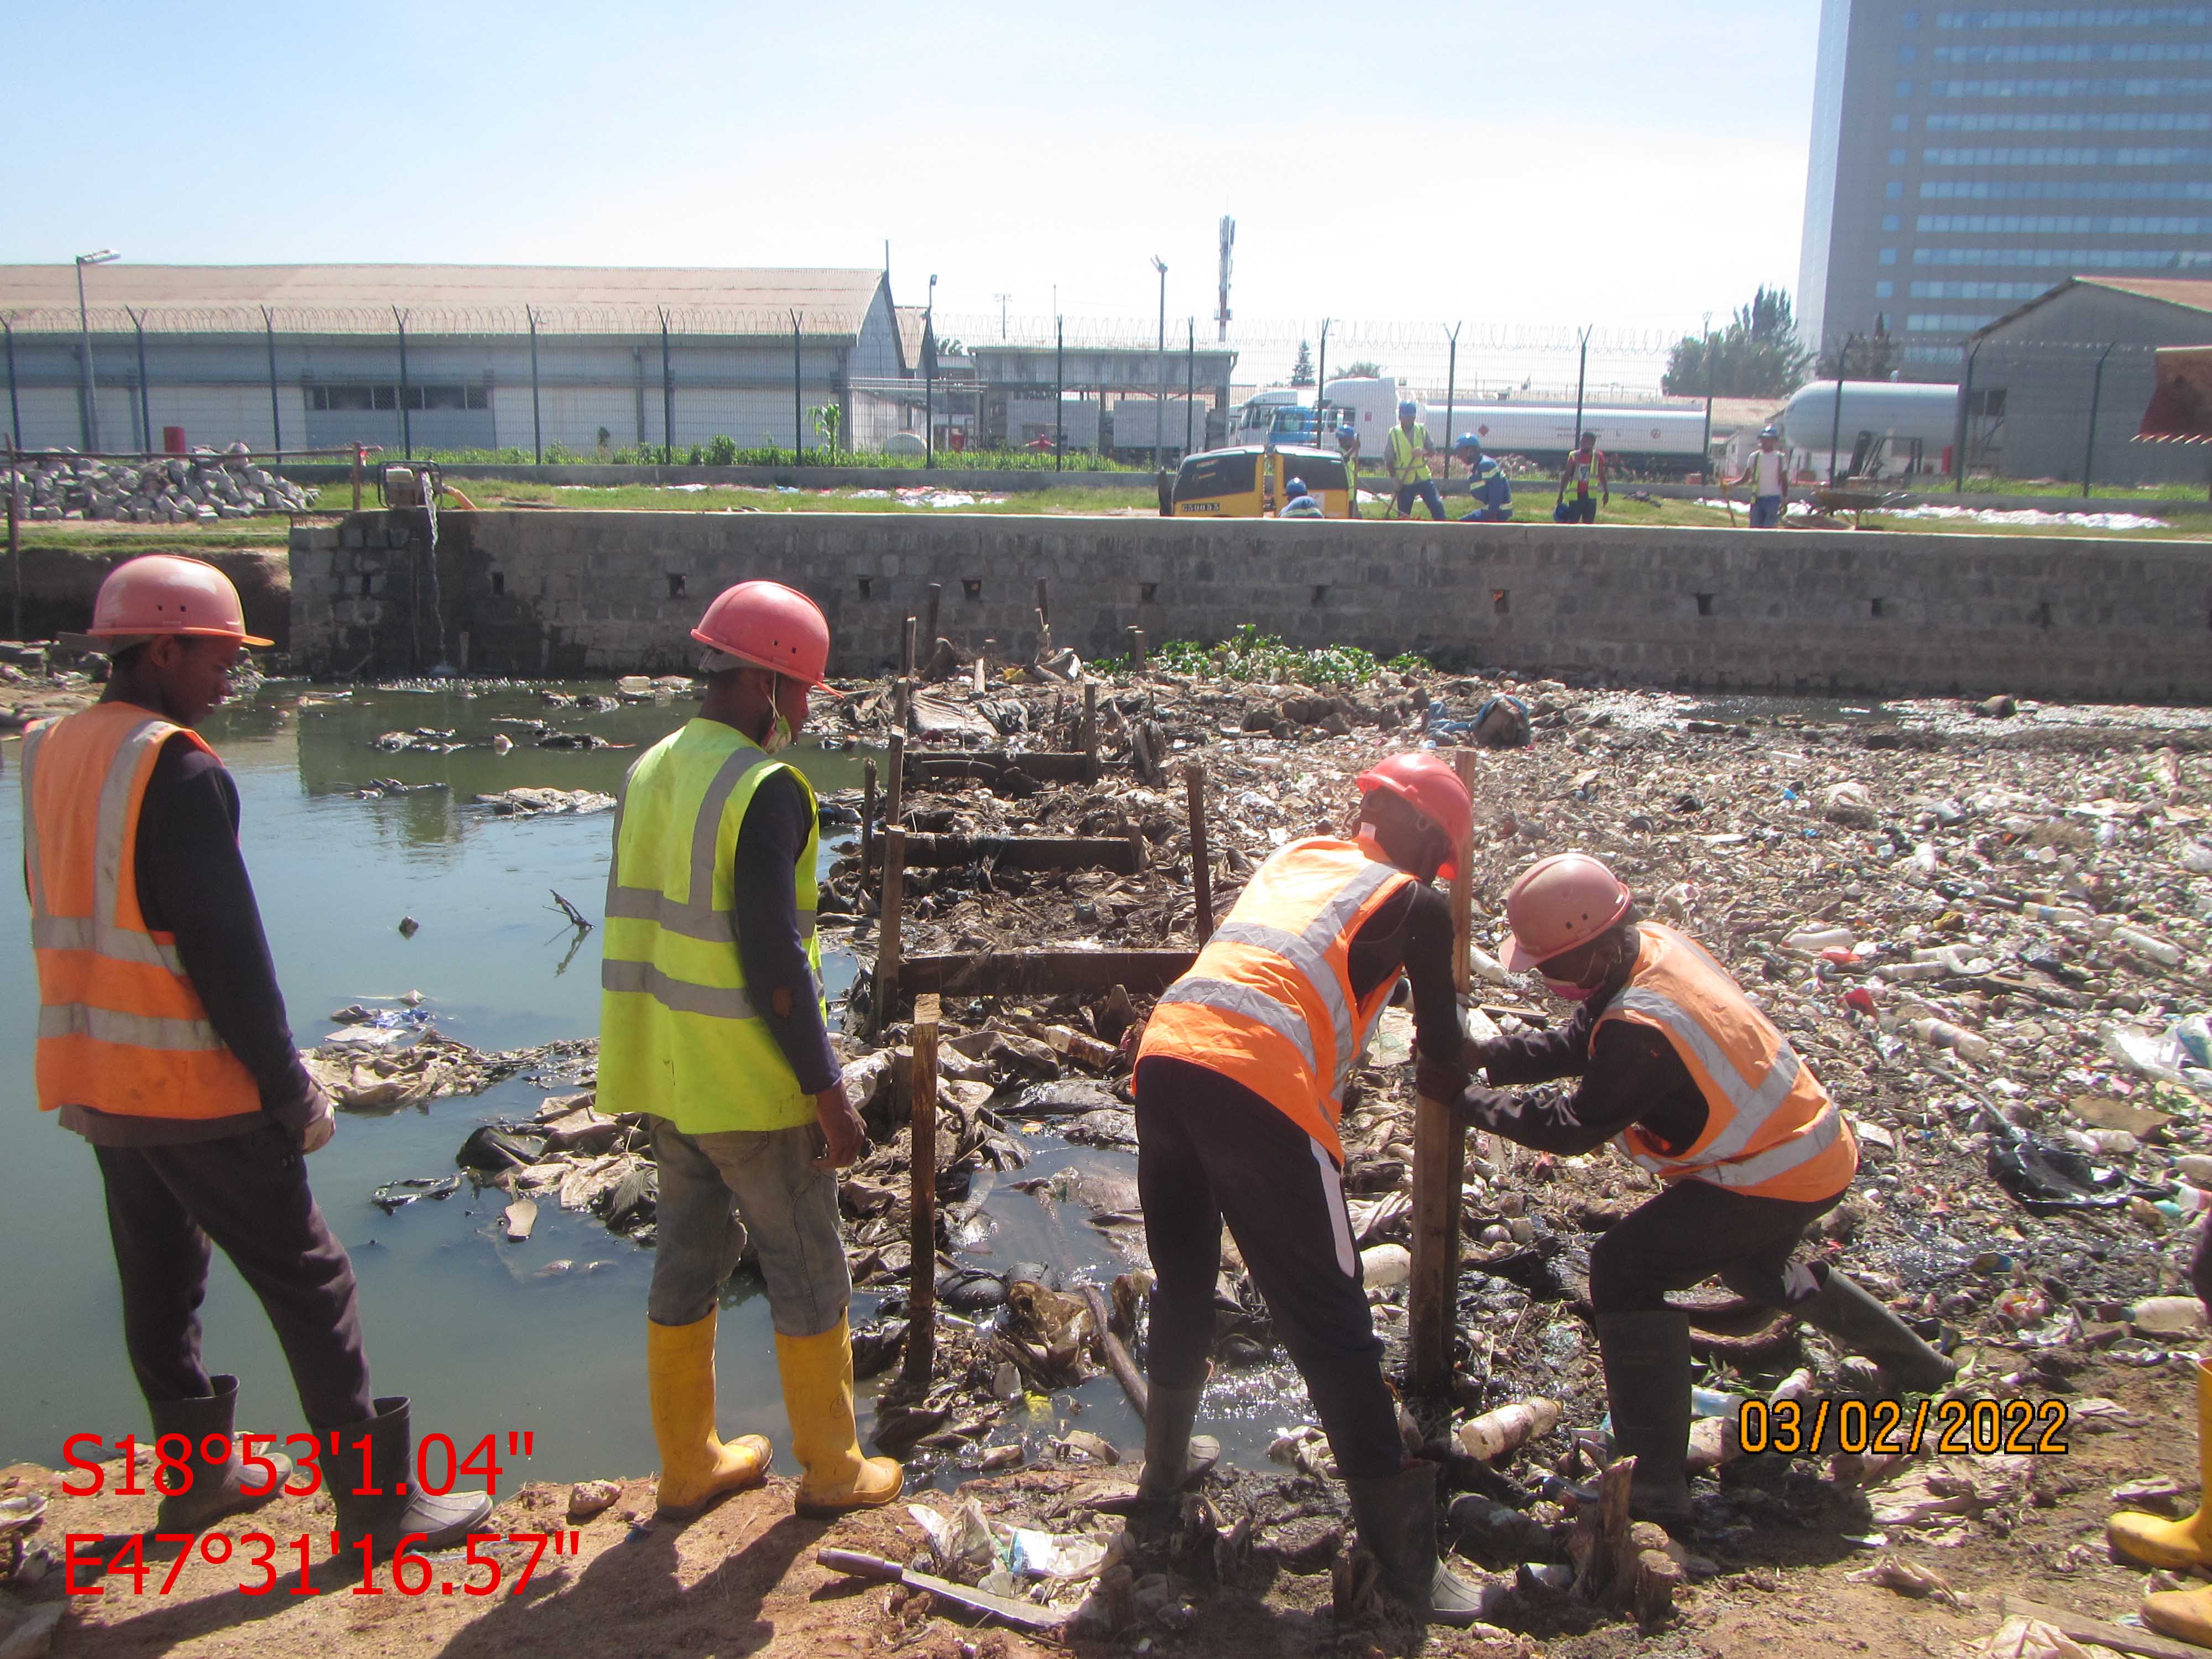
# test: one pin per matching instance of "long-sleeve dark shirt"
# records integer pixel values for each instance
(1411, 932)
(192, 882)
(1632, 1076)
(770, 842)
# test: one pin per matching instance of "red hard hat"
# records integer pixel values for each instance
(169, 593)
(1425, 782)
(1560, 902)
(770, 626)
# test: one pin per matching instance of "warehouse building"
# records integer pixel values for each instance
(2062, 381)
(580, 360)
(1967, 159)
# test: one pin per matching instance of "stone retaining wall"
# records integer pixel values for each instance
(534, 593)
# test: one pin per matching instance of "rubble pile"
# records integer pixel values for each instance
(194, 489)
(1983, 928)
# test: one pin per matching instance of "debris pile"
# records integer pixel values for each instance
(194, 489)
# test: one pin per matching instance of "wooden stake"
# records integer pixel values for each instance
(867, 820)
(895, 786)
(1439, 1168)
(1089, 745)
(922, 1287)
(1116, 1354)
(1463, 888)
(1044, 603)
(903, 692)
(1137, 649)
(1599, 1545)
(905, 652)
(887, 927)
(1201, 862)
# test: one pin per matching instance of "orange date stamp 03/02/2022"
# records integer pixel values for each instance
(1951, 1427)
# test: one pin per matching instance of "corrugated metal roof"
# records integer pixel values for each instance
(2174, 291)
(444, 299)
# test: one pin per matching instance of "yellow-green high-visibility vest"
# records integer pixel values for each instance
(679, 1035)
(1409, 454)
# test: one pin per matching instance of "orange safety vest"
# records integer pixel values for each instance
(120, 1028)
(1269, 1003)
(1771, 1129)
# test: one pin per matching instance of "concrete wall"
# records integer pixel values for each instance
(600, 592)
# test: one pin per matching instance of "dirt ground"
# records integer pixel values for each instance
(742, 1579)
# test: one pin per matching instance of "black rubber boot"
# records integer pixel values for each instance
(1858, 1320)
(394, 1514)
(1647, 1387)
(218, 1486)
(1396, 1515)
(1173, 1459)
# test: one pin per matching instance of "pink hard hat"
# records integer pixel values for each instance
(169, 593)
(1424, 781)
(1558, 903)
(770, 626)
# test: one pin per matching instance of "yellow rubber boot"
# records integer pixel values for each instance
(818, 1397)
(696, 1467)
(2155, 1541)
(2185, 1615)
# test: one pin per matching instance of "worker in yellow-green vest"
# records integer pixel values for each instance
(1406, 454)
(712, 1024)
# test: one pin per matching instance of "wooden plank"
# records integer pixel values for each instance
(1045, 765)
(1043, 972)
(895, 785)
(1201, 858)
(2082, 1628)
(1439, 1168)
(922, 1287)
(887, 927)
(1113, 853)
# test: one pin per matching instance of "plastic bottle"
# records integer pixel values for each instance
(2160, 950)
(1813, 940)
(1942, 1034)
(2187, 1201)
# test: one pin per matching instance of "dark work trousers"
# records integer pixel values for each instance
(1695, 1230)
(247, 1192)
(1211, 1151)
(2200, 1268)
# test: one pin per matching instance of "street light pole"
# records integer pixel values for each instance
(929, 377)
(1160, 413)
(89, 427)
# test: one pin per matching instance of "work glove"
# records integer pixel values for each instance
(1439, 1079)
(322, 1123)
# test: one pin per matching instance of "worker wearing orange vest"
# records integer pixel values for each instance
(162, 1041)
(1241, 1078)
(1695, 1085)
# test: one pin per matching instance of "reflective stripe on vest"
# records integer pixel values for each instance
(1241, 977)
(1409, 457)
(681, 1036)
(1770, 1127)
(121, 1029)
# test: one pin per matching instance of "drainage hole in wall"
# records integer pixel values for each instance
(498, 583)
(971, 587)
(1148, 593)
(1704, 604)
(675, 585)
(2043, 614)
(1500, 600)
(367, 585)
(1875, 608)
(1321, 593)
(864, 586)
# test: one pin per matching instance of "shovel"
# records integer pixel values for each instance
(1025, 1614)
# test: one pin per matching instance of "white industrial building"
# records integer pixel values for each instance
(446, 357)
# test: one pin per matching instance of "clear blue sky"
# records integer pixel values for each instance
(1631, 162)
